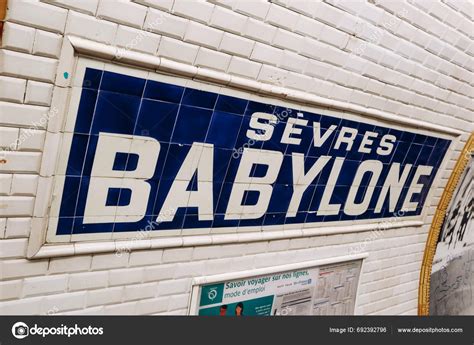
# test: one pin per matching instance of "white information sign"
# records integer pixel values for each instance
(319, 290)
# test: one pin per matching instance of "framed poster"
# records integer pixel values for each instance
(305, 289)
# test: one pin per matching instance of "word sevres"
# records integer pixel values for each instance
(199, 163)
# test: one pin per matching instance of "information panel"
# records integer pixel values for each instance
(325, 290)
(143, 154)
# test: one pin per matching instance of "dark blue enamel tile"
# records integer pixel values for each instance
(420, 139)
(283, 113)
(118, 197)
(156, 119)
(132, 162)
(383, 175)
(254, 107)
(439, 151)
(366, 178)
(412, 154)
(192, 185)
(224, 197)
(232, 169)
(192, 125)
(300, 218)
(317, 196)
(123, 84)
(223, 130)
(443, 144)
(92, 78)
(160, 165)
(435, 157)
(274, 219)
(400, 151)
(125, 197)
(395, 132)
(161, 194)
(115, 113)
(430, 141)
(65, 225)
(199, 98)
(424, 155)
(328, 121)
(307, 198)
(339, 195)
(386, 213)
(125, 162)
(349, 123)
(251, 222)
(375, 197)
(251, 197)
(222, 158)
(324, 147)
(311, 117)
(259, 170)
(311, 217)
(90, 155)
(366, 215)
(345, 217)
(280, 199)
(77, 155)
(285, 176)
(85, 112)
(82, 198)
(381, 131)
(216, 192)
(230, 104)
(113, 195)
(370, 156)
(364, 127)
(69, 197)
(163, 92)
(175, 158)
(347, 174)
(407, 137)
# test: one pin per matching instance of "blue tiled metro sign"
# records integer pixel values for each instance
(145, 152)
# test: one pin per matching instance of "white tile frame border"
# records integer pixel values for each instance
(198, 281)
(75, 47)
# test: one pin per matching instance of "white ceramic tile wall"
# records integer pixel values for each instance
(412, 58)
